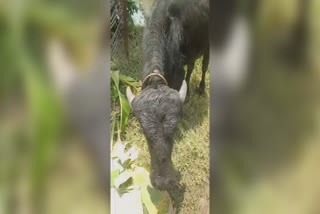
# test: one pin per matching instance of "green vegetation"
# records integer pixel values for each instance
(131, 186)
(120, 115)
(132, 8)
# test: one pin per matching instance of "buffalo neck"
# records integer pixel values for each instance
(161, 44)
(154, 46)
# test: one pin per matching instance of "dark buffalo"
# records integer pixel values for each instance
(176, 35)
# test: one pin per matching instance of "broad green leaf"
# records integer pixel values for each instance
(117, 150)
(134, 86)
(116, 165)
(113, 66)
(114, 92)
(124, 105)
(114, 175)
(126, 203)
(155, 195)
(130, 82)
(133, 153)
(126, 79)
(115, 78)
(152, 198)
(127, 162)
(159, 199)
(141, 177)
(122, 178)
(125, 111)
(146, 199)
(44, 127)
(145, 210)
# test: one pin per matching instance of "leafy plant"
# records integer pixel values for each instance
(132, 8)
(131, 189)
(121, 106)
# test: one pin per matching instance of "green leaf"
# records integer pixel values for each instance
(155, 195)
(129, 81)
(141, 177)
(126, 79)
(125, 111)
(127, 162)
(44, 128)
(117, 150)
(146, 199)
(115, 78)
(132, 153)
(116, 165)
(122, 178)
(126, 203)
(124, 104)
(152, 198)
(114, 92)
(114, 175)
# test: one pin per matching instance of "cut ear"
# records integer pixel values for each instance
(130, 95)
(183, 91)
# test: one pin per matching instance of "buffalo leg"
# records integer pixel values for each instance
(205, 63)
(189, 72)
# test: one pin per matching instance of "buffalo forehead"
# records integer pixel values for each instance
(157, 101)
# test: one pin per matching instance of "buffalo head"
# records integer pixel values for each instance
(158, 109)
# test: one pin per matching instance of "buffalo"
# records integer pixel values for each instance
(176, 34)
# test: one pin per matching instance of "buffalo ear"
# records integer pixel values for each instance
(183, 91)
(130, 95)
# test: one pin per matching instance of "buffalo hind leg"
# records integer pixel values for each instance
(189, 72)
(205, 63)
